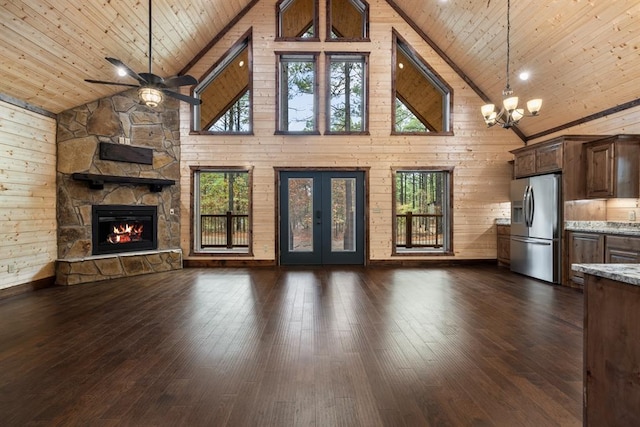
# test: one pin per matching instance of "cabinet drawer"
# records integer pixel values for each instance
(622, 249)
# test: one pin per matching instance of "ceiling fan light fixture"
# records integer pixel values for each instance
(151, 97)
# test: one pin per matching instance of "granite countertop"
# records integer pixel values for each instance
(503, 221)
(605, 227)
(625, 273)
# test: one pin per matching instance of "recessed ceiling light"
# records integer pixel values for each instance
(524, 75)
(400, 65)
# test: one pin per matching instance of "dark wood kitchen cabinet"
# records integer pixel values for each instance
(612, 167)
(563, 154)
(584, 248)
(504, 244)
(622, 250)
(611, 353)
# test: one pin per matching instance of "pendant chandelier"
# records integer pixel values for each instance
(509, 115)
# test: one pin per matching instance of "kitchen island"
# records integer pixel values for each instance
(611, 344)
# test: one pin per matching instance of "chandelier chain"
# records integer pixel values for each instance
(508, 86)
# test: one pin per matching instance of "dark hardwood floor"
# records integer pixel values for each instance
(460, 346)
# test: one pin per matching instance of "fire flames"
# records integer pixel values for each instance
(124, 233)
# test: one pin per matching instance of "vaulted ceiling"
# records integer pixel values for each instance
(583, 55)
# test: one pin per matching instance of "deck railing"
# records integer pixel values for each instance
(419, 230)
(224, 231)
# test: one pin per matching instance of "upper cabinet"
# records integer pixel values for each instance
(562, 154)
(612, 167)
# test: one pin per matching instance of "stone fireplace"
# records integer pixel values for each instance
(117, 195)
(118, 228)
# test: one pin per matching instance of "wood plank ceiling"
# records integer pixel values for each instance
(583, 55)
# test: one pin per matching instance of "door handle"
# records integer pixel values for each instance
(318, 217)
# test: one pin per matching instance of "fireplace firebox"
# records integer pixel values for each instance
(122, 228)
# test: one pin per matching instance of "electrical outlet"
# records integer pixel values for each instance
(11, 268)
(632, 215)
(172, 211)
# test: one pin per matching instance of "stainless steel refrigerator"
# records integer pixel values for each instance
(536, 212)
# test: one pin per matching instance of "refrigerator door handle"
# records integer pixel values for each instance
(524, 206)
(531, 242)
(532, 206)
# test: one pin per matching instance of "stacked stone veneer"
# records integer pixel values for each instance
(80, 130)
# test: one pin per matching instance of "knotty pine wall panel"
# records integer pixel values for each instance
(27, 196)
(479, 155)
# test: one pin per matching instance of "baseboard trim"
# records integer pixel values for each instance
(429, 262)
(211, 263)
(12, 291)
(406, 262)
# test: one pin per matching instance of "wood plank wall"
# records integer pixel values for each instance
(27, 196)
(480, 155)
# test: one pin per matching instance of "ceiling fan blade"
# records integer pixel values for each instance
(176, 81)
(130, 72)
(102, 82)
(181, 97)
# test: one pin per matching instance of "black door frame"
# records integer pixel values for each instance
(365, 211)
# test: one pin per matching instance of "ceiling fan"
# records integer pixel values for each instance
(151, 86)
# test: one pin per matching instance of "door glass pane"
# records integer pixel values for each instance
(300, 214)
(343, 214)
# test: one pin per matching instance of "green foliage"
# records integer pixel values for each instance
(224, 191)
(406, 121)
(419, 192)
(236, 118)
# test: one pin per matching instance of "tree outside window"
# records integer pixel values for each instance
(422, 211)
(221, 206)
(297, 98)
(346, 93)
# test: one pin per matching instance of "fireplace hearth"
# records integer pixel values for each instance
(124, 228)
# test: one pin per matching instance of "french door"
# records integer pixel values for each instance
(322, 217)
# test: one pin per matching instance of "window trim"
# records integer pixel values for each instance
(447, 251)
(365, 101)
(223, 252)
(431, 75)
(365, 30)
(316, 22)
(245, 41)
(279, 56)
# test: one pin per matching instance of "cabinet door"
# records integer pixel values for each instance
(549, 158)
(600, 170)
(584, 248)
(622, 250)
(504, 244)
(524, 164)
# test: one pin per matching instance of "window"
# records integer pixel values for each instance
(297, 20)
(226, 94)
(297, 93)
(347, 20)
(422, 211)
(222, 203)
(422, 99)
(346, 93)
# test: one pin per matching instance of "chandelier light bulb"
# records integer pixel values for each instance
(517, 114)
(510, 103)
(534, 106)
(487, 109)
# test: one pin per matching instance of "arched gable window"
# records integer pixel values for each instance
(226, 93)
(422, 99)
(297, 20)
